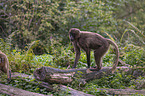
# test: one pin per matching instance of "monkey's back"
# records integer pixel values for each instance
(91, 40)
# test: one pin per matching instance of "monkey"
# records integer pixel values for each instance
(91, 41)
(4, 65)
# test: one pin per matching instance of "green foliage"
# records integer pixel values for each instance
(128, 18)
(133, 55)
(21, 62)
(115, 81)
(64, 57)
(96, 17)
(30, 26)
(4, 45)
(43, 60)
(28, 84)
(43, 20)
(92, 89)
(29, 20)
(140, 40)
(60, 92)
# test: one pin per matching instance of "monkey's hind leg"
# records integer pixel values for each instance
(98, 61)
(98, 55)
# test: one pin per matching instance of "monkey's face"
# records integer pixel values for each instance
(72, 37)
(74, 34)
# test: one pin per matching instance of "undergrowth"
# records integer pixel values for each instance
(26, 62)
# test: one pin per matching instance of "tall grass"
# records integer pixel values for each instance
(135, 33)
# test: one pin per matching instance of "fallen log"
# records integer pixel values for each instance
(42, 84)
(73, 92)
(108, 91)
(12, 91)
(54, 75)
(122, 91)
(46, 85)
(16, 75)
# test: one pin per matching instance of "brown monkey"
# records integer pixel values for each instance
(4, 65)
(88, 41)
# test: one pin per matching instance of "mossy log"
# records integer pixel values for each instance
(81, 73)
(54, 75)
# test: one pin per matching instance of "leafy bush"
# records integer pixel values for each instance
(26, 25)
(42, 20)
(27, 84)
(115, 81)
(133, 55)
(43, 60)
(21, 62)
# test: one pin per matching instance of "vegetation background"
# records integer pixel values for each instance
(34, 33)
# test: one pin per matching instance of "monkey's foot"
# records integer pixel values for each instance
(95, 68)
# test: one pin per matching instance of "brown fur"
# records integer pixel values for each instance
(91, 41)
(4, 65)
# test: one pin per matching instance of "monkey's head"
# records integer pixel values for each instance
(74, 34)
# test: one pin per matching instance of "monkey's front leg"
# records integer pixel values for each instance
(88, 57)
(77, 57)
(77, 54)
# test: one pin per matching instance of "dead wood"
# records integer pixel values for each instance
(42, 84)
(22, 76)
(12, 91)
(46, 85)
(73, 91)
(108, 91)
(122, 91)
(54, 75)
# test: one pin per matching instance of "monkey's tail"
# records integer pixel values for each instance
(117, 54)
